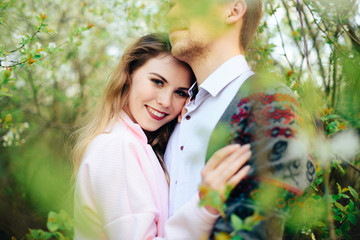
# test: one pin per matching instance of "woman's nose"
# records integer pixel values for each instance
(164, 99)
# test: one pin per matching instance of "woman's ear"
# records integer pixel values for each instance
(236, 10)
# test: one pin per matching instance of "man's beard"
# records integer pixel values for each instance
(192, 51)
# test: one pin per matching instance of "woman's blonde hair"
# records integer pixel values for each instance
(115, 98)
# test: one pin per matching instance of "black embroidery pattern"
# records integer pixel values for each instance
(310, 173)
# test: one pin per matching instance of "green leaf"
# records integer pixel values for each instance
(319, 180)
(236, 222)
(344, 195)
(228, 189)
(316, 197)
(339, 206)
(334, 198)
(351, 206)
(39, 235)
(251, 221)
(337, 218)
(354, 193)
(328, 117)
(352, 218)
(52, 223)
(338, 187)
(236, 237)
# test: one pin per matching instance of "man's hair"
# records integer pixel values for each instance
(251, 21)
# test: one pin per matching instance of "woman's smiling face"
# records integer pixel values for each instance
(158, 92)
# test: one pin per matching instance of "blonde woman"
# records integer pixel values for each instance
(122, 184)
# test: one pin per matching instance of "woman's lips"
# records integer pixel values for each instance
(157, 115)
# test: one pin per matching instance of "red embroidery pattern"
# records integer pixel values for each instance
(279, 114)
(237, 117)
(267, 116)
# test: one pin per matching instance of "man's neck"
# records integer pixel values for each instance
(220, 52)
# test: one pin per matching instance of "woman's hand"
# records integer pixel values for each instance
(225, 167)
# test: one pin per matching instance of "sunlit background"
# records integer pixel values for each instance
(56, 56)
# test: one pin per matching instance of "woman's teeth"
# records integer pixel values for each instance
(156, 113)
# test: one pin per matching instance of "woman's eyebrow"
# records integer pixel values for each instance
(162, 78)
(158, 75)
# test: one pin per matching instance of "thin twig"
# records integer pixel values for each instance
(347, 32)
(23, 44)
(291, 27)
(316, 46)
(330, 38)
(34, 92)
(298, 8)
(349, 163)
(281, 37)
(15, 64)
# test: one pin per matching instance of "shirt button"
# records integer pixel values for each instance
(182, 148)
(188, 117)
(176, 182)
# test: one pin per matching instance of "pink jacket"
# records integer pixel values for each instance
(121, 192)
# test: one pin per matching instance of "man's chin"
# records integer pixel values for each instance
(179, 53)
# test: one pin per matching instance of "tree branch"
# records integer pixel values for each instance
(330, 38)
(299, 9)
(316, 46)
(281, 36)
(23, 44)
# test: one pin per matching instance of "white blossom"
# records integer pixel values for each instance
(20, 83)
(52, 45)
(5, 62)
(113, 51)
(38, 45)
(26, 125)
(345, 144)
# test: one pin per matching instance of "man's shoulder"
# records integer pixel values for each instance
(266, 84)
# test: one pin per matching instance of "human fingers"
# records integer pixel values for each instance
(220, 176)
(226, 164)
(240, 175)
(219, 156)
(232, 163)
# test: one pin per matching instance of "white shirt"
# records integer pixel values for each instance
(186, 150)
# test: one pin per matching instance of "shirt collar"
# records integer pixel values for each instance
(193, 90)
(225, 74)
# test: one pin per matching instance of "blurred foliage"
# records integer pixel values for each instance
(56, 55)
(59, 225)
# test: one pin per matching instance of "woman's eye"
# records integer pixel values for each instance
(182, 94)
(157, 82)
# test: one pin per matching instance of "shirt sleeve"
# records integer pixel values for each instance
(119, 189)
(112, 183)
(190, 222)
